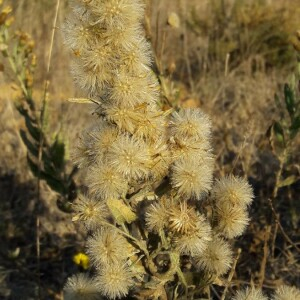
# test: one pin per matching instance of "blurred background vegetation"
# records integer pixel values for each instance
(229, 57)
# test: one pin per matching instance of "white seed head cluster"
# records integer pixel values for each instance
(81, 287)
(191, 124)
(193, 177)
(216, 258)
(234, 190)
(110, 244)
(250, 294)
(157, 217)
(286, 292)
(232, 196)
(283, 292)
(150, 172)
(196, 241)
(115, 280)
(90, 211)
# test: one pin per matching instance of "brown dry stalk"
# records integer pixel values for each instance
(285, 235)
(264, 260)
(230, 276)
(274, 240)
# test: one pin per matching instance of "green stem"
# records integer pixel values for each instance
(14, 68)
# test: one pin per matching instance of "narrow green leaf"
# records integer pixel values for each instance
(288, 181)
(49, 168)
(57, 151)
(296, 123)
(29, 145)
(278, 131)
(24, 112)
(289, 99)
(55, 184)
(295, 127)
(72, 174)
(72, 191)
(32, 129)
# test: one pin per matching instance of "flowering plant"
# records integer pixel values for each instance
(159, 225)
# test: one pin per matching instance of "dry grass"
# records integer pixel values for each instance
(238, 96)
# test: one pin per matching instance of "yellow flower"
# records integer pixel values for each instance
(81, 260)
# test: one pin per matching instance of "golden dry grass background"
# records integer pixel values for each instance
(238, 96)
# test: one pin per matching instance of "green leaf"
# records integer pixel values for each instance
(29, 145)
(278, 131)
(289, 99)
(288, 181)
(295, 125)
(32, 129)
(24, 112)
(49, 168)
(55, 184)
(72, 191)
(57, 151)
(72, 174)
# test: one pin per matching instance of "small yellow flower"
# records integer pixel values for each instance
(81, 260)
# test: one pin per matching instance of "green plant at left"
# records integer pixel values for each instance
(47, 152)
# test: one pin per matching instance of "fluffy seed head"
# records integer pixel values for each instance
(186, 148)
(102, 138)
(115, 280)
(79, 34)
(182, 219)
(107, 247)
(90, 211)
(161, 159)
(126, 118)
(129, 157)
(137, 58)
(190, 123)
(151, 127)
(192, 178)
(81, 287)
(122, 38)
(234, 190)
(231, 220)
(143, 120)
(117, 13)
(94, 143)
(83, 155)
(250, 294)
(216, 258)
(96, 64)
(129, 89)
(157, 216)
(286, 292)
(91, 82)
(194, 242)
(105, 182)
